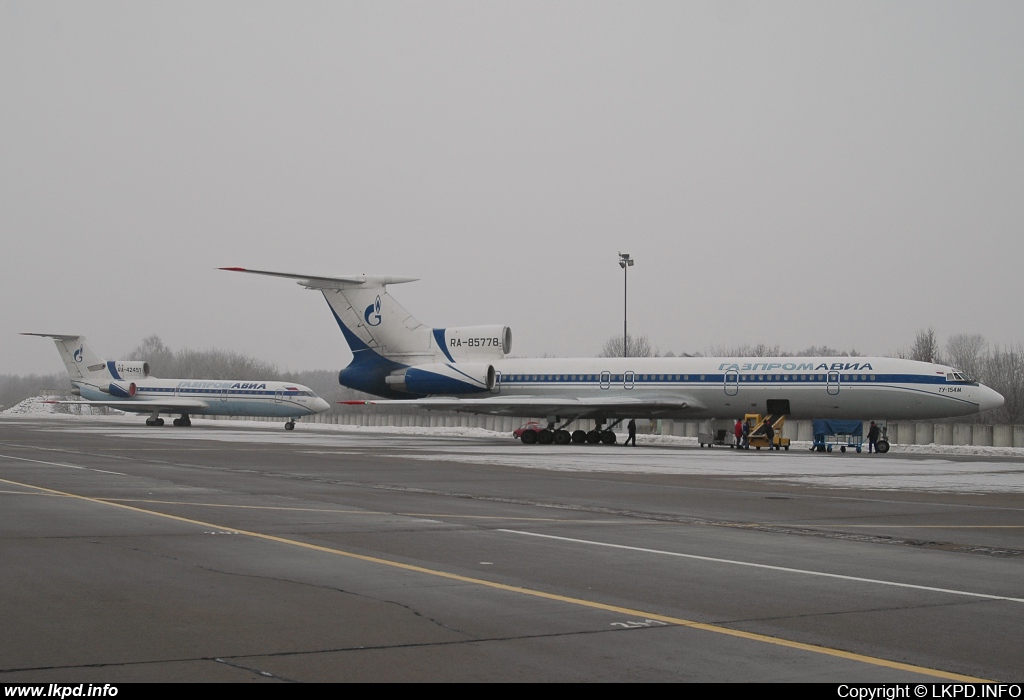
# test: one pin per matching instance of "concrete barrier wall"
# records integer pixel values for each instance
(899, 432)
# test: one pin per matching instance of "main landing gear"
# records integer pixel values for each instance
(155, 421)
(560, 436)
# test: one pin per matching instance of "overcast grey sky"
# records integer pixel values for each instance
(793, 173)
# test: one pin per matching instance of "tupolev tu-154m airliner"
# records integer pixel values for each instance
(466, 369)
(127, 386)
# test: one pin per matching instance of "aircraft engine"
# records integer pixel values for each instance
(129, 369)
(121, 390)
(454, 379)
(475, 342)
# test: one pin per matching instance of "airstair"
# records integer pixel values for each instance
(758, 437)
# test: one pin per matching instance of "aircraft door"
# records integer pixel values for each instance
(496, 389)
(732, 383)
(278, 396)
(627, 380)
(606, 380)
(833, 383)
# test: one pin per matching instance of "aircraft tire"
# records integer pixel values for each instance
(608, 437)
(579, 436)
(593, 437)
(290, 425)
(150, 422)
(529, 437)
(562, 437)
(176, 422)
(882, 446)
(159, 422)
(545, 437)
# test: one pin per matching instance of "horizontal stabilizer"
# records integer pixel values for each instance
(319, 282)
(55, 336)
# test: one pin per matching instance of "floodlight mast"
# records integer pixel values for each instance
(625, 262)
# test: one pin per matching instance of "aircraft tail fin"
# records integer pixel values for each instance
(369, 317)
(386, 340)
(79, 359)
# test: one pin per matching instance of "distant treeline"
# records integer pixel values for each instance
(14, 389)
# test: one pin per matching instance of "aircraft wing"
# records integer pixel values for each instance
(605, 406)
(147, 406)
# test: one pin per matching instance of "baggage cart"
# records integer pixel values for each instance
(838, 434)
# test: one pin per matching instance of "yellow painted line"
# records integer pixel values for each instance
(594, 605)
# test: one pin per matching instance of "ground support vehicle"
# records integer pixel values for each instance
(715, 437)
(758, 437)
(841, 434)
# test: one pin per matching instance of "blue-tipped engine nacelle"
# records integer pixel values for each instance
(442, 378)
(122, 390)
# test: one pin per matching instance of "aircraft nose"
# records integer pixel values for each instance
(319, 406)
(989, 399)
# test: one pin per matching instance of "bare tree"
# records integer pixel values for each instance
(745, 350)
(967, 353)
(200, 364)
(925, 347)
(826, 351)
(159, 356)
(635, 347)
(1004, 372)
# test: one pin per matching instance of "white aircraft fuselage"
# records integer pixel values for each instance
(814, 387)
(227, 397)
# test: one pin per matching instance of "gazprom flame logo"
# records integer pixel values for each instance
(372, 313)
(78, 353)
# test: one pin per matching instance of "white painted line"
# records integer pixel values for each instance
(768, 566)
(60, 464)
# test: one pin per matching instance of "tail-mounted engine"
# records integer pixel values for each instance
(462, 378)
(474, 342)
(121, 390)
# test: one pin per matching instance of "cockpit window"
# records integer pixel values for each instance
(956, 376)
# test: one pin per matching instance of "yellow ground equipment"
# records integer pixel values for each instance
(758, 425)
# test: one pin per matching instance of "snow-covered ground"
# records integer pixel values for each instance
(43, 406)
(893, 471)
